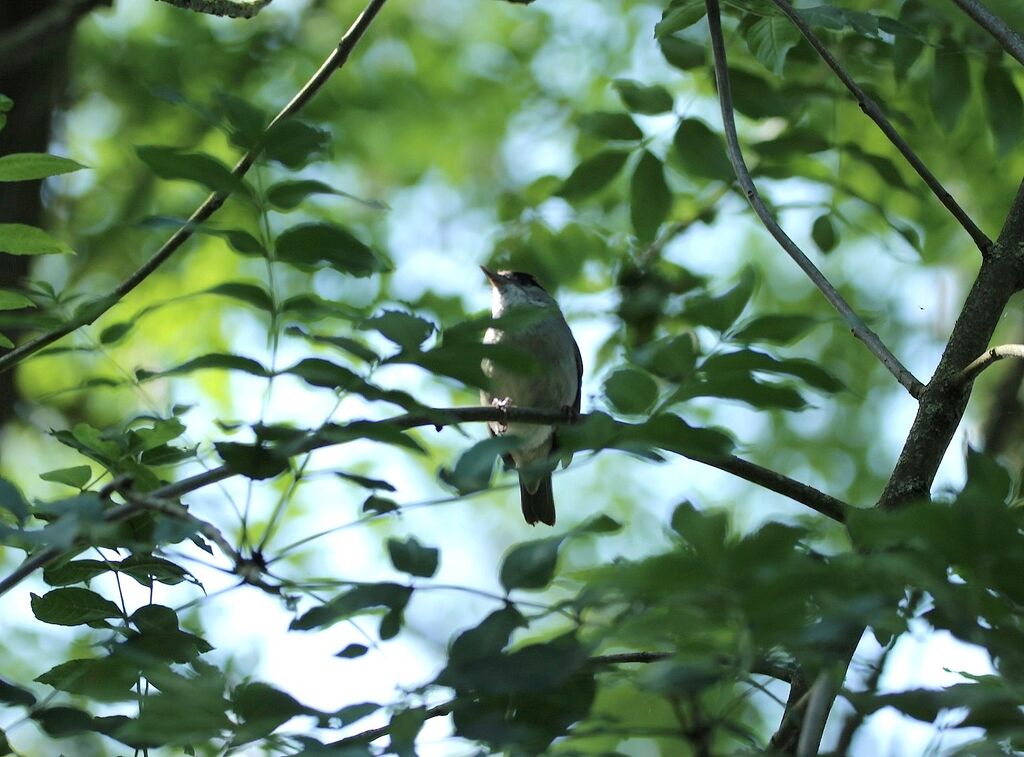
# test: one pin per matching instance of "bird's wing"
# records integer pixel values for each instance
(579, 375)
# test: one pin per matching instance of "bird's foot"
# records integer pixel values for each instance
(571, 413)
(502, 404)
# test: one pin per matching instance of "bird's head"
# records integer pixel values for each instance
(513, 289)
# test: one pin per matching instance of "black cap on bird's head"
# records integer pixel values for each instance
(501, 279)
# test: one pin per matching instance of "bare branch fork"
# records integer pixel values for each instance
(854, 321)
(874, 112)
(210, 205)
(162, 499)
(1010, 40)
(993, 355)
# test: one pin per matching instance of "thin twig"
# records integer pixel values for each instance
(871, 109)
(210, 205)
(375, 733)
(857, 326)
(1010, 40)
(818, 705)
(990, 356)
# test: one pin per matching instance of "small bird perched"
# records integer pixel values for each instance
(557, 386)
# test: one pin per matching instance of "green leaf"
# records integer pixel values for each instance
(411, 557)
(14, 301)
(295, 143)
(770, 39)
(75, 571)
(352, 651)
(13, 501)
(263, 708)
(473, 470)
(612, 126)
(251, 294)
(26, 166)
(721, 311)
(16, 695)
(365, 482)
(288, 195)
(593, 174)
(641, 98)
(61, 722)
(823, 232)
(673, 358)
(682, 53)
(104, 678)
(351, 346)
(1004, 108)
(406, 330)
(212, 361)
(312, 245)
(403, 729)
(951, 84)
(631, 391)
(116, 332)
(252, 461)
(19, 239)
(170, 163)
(379, 505)
(702, 151)
(679, 15)
(649, 197)
(775, 329)
(73, 607)
(6, 343)
(357, 600)
(530, 565)
(77, 476)
(907, 48)
(147, 568)
(745, 361)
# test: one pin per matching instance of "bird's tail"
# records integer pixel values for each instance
(539, 504)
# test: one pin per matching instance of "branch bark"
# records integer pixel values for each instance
(210, 205)
(871, 109)
(854, 321)
(992, 355)
(1010, 40)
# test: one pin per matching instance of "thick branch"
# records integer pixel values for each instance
(871, 109)
(210, 205)
(857, 326)
(992, 355)
(438, 418)
(987, 20)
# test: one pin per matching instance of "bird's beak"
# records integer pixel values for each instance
(495, 278)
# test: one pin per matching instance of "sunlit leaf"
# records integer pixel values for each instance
(20, 239)
(34, 165)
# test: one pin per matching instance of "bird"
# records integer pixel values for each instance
(556, 385)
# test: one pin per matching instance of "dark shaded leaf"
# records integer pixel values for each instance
(593, 174)
(406, 330)
(719, 312)
(530, 565)
(1004, 108)
(682, 53)
(251, 460)
(951, 84)
(612, 126)
(251, 294)
(73, 607)
(75, 571)
(473, 470)
(641, 98)
(353, 650)
(649, 197)
(702, 151)
(411, 557)
(631, 391)
(823, 232)
(365, 482)
(295, 143)
(775, 329)
(679, 15)
(13, 501)
(770, 39)
(212, 361)
(288, 195)
(104, 678)
(357, 600)
(15, 695)
(171, 163)
(313, 245)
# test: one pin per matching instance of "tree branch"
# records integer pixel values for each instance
(33, 38)
(210, 205)
(857, 326)
(1010, 40)
(438, 418)
(871, 109)
(990, 356)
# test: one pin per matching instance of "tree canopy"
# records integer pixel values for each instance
(247, 501)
